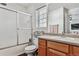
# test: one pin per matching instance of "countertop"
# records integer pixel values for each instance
(62, 39)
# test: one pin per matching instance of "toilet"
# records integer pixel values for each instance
(29, 50)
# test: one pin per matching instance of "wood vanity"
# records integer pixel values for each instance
(54, 48)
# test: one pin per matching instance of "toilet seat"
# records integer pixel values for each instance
(30, 48)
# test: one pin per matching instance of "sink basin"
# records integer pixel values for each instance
(68, 38)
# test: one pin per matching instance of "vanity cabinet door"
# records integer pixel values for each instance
(58, 46)
(75, 51)
(51, 52)
(42, 47)
(42, 51)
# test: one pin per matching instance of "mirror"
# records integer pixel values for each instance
(72, 22)
(63, 20)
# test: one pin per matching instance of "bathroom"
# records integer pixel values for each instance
(37, 29)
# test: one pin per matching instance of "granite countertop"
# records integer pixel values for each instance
(62, 39)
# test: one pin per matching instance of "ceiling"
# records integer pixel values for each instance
(52, 6)
(31, 4)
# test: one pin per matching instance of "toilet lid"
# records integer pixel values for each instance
(31, 47)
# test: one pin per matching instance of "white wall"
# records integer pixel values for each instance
(18, 49)
(56, 17)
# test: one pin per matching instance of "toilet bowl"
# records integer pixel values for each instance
(29, 50)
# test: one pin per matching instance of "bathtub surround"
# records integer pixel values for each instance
(16, 47)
